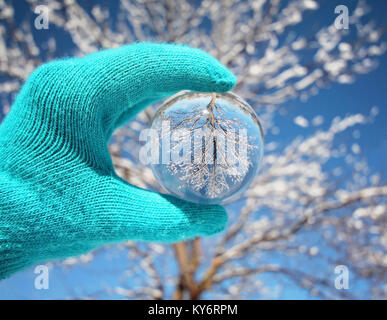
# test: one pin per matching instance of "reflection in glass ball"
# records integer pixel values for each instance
(209, 146)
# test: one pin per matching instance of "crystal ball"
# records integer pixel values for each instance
(207, 147)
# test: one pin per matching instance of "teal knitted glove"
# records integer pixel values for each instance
(59, 194)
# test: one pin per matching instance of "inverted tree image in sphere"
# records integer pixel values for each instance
(210, 146)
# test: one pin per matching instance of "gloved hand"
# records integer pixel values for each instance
(59, 194)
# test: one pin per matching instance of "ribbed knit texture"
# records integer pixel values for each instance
(59, 194)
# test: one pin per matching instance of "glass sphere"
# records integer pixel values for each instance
(209, 146)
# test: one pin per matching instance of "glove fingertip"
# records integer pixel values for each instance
(213, 220)
(225, 84)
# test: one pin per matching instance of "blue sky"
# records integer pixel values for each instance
(338, 100)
